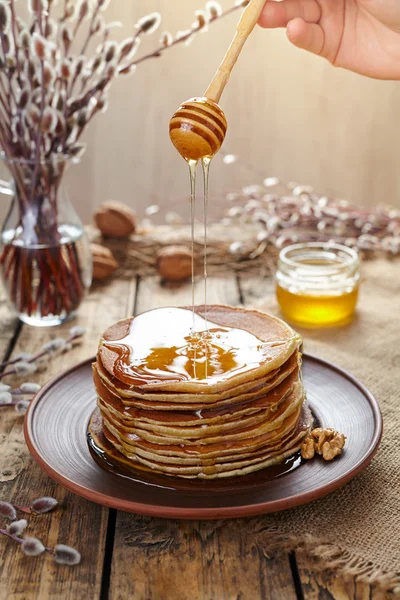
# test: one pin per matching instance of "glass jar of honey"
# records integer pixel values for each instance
(317, 284)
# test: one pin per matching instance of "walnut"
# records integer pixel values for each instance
(174, 263)
(104, 263)
(115, 219)
(308, 448)
(326, 442)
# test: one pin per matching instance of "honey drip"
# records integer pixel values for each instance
(206, 172)
(192, 171)
(161, 346)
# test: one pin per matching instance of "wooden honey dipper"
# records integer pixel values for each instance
(198, 127)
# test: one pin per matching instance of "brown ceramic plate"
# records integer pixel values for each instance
(56, 434)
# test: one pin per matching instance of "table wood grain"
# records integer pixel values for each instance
(130, 556)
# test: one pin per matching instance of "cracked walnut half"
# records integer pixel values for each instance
(326, 442)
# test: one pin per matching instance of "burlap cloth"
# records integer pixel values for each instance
(357, 528)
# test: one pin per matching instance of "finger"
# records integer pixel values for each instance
(307, 36)
(279, 14)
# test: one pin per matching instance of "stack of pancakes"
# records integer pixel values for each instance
(239, 419)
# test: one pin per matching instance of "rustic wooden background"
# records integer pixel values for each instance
(290, 114)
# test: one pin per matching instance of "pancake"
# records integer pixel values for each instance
(170, 401)
(215, 468)
(223, 402)
(277, 340)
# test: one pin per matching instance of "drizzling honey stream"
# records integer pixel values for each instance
(198, 128)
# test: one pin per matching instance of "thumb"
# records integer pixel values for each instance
(307, 36)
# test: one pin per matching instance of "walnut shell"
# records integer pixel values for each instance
(104, 263)
(115, 219)
(174, 263)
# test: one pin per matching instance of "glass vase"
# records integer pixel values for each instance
(45, 259)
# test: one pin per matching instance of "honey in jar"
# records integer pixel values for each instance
(317, 284)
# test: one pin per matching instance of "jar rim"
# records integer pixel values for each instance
(350, 253)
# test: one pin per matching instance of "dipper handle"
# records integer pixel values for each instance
(247, 22)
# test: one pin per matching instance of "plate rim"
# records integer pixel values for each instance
(202, 513)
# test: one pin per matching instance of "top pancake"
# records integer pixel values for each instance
(278, 341)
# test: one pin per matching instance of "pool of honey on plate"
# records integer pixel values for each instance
(196, 486)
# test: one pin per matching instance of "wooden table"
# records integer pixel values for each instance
(127, 556)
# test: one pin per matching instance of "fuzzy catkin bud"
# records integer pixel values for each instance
(32, 547)
(65, 70)
(25, 368)
(25, 39)
(60, 127)
(50, 29)
(149, 24)
(70, 9)
(75, 151)
(98, 24)
(5, 16)
(11, 63)
(111, 50)
(35, 6)
(30, 69)
(48, 120)
(200, 23)
(49, 75)
(5, 398)
(53, 346)
(80, 63)
(102, 104)
(128, 48)
(44, 505)
(213, 10)
(77, 331)
(33, 114)
(83, 9)
(24, 99)
(65, 555)
(66, 36)
(17, 527)
(82, 118)
(7, 511)
(39, 44)
(7, 43)
(95, 64)
(30, 388)
(59, 103)
(111, 70)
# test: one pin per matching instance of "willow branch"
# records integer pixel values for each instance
(161, 49)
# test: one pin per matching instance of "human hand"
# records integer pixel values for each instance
(359, 35)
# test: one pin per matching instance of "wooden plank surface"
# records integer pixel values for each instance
(78, 522)
(328, 586)
(157, 559)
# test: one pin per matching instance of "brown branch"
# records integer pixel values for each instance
(90, 32)
(39, 136)
(161, 49)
